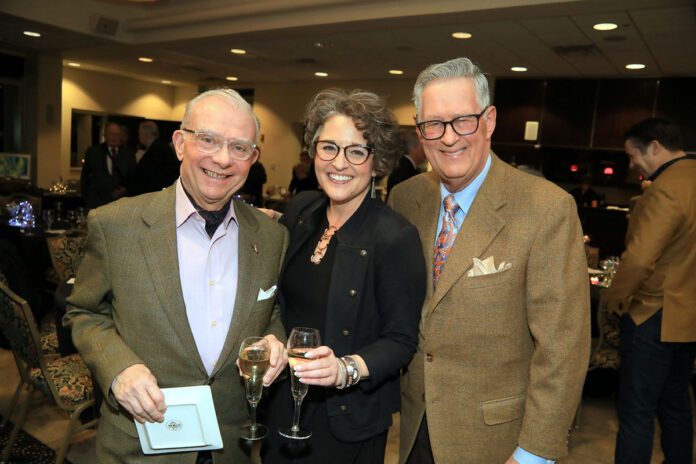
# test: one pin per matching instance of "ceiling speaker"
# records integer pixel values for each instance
(105, 26)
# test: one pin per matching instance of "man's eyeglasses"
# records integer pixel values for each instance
(355, 154)
(207, 142)
(463, 125)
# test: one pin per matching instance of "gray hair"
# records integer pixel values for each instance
(232, 96)
(458, 67)
(149, 127)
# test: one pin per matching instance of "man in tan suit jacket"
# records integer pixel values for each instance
(501, 356)
(655, 291)
(142, 303)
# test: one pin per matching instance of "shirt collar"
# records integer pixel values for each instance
(185, 209)
(466, 196)
(668, 164)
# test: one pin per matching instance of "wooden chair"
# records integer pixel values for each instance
(65, 379)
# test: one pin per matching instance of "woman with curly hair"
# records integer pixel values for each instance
(354, 270)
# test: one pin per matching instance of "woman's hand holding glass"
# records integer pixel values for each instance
(321, 370)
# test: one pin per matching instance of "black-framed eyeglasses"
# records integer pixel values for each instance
(463, 125)
(208, 142)
(355, 154)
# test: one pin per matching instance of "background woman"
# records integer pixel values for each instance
(354, 270)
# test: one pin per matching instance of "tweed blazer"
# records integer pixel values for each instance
(127, 307)
(502, 357)
(658, 267)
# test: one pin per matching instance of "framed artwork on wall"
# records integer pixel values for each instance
(15, 165)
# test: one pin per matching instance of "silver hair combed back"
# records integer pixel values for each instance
(230, 95)
(458, 67)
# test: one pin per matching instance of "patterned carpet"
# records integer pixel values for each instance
(27, 449)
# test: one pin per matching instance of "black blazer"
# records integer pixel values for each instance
(96, 182)
(157, 169)
(375, 300)
(404, 170)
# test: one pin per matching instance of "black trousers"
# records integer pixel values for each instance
(654, 381)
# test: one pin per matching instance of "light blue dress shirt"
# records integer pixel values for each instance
(465, 198)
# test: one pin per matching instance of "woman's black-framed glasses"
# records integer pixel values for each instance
(208, 142)
(463, 125)
(355, 154)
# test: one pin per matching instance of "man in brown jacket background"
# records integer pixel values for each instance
(655, 291)
(503, 348)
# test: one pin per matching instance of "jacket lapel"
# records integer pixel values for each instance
(160, 253)
(480, 227)
(249, 252)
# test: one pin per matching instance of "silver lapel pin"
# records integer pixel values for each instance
(256, 249)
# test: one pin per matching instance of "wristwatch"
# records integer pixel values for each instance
(353, 373)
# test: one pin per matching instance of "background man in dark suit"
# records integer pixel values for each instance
(173, 281)
(655, 292)
(107, 169)
(408, 164)
(158, 167)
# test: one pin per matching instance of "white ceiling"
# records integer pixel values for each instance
(361, 39)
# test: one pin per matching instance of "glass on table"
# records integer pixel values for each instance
(300, 341)
(254, 360)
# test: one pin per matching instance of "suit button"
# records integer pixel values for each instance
(343, 408)
(423, 396)
(363, 253)
(345, 332)
(429, 357)
(352, 292)
(211, 380)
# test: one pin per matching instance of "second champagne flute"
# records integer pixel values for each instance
(300, 341)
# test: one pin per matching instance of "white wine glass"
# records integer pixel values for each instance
(254, 359)
(301, 340)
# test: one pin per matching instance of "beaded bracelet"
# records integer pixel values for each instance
(343, 373)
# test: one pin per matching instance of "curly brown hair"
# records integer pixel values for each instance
(370, 115)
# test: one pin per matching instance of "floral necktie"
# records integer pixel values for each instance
(446, 238)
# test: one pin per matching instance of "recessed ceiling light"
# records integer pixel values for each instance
(321, 74)
(396, 72)
(73, 64)
(635, 66)
(32, 34)
(238, 51)
(145, 59)
(166, 82)
(231, 78)
(604, 27)
(518, 69)
(461, 35)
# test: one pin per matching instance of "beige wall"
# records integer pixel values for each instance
(280, 109)
(106, 93)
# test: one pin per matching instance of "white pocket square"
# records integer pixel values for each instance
(266, 294)
(487, 266)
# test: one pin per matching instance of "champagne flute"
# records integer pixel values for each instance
(254, 360)
(301, 340)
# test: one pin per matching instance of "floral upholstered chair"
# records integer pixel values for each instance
(66, 253)
(66, 379)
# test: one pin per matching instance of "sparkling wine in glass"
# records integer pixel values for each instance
(301, 340)
(254, 360)
(49, 216)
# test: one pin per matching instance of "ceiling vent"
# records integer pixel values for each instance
(576, 50)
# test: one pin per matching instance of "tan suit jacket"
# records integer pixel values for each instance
(501, 358)
(658, 267)
(127, 307)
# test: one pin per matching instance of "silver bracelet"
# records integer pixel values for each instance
(352, 370)
(343, 374)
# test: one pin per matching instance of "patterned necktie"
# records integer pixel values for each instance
(446, 238)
